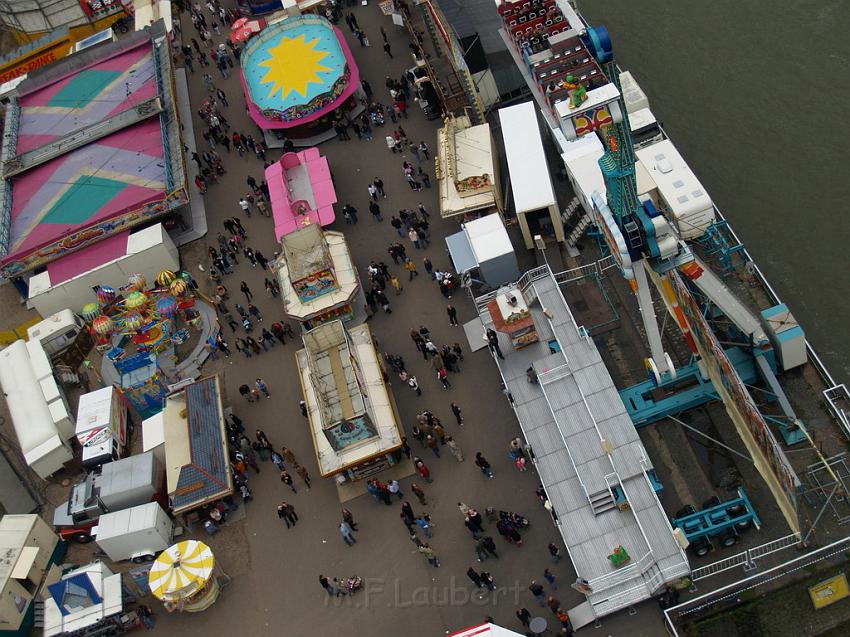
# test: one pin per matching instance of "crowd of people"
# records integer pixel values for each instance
(238, 273)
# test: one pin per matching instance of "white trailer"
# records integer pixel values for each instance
(102, 426)
(57, 332)
(68, 283)
(137, 534)
(683, 199)
(42, 443)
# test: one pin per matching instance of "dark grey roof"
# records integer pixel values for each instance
(207, 476)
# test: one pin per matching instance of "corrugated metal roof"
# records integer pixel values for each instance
(207, 477)
(564, 418)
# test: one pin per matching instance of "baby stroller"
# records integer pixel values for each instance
(353, 584)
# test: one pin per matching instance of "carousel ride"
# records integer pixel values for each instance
(153, 320)
(184, 577)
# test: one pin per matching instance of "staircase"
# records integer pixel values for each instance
(601, 501)
(578, 231)
(569, 211)
(38, 613)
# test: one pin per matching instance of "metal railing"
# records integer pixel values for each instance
(730, 594)
(834, 395)
(772, 547)
(622, 574)
(746, 559)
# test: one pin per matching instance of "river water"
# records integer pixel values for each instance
(754, 95)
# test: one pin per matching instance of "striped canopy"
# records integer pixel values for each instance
(181, 570)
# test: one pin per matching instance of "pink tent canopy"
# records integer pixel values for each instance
(301, 191)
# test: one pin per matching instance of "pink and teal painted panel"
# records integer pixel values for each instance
(116, 174)
(86, 97)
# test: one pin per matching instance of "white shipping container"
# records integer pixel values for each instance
(136, 534)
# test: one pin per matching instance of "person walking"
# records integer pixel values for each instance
(350, 213)
(431, 443)
(424, 522)
(457, 413)
(331, 590)
(346, 532)
(379, 184)
(429, 554)
(443, 377)
(414, 385)
(373, 192)
(452, 312)
(302, 473)
(480, 551)
(396, 284)
(408, 519)
(422, 469)
(454, 449)
(414, 238)
(537, 590)
(288, 456)
(246, 291)
(423, 148)
(387, 50)
(523, 616)
(490, 546)
(550, 577)
(419, 493)
(476, 520)
(554, 552)
(395, 489)
(147, 616)
(348, 518)
(287, 480)
(411, 269)
(407, 511)
(245, 391)
(425, 177)
(553, 603)
(493, 342)
(286, 512)
(375, 209)
(487, 580)
(481, 463)
(474, 576)
(261, 385)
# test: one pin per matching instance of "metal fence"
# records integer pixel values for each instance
(729, 595)
(746, 559)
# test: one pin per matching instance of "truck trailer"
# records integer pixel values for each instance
(118, 485)
(138, 533)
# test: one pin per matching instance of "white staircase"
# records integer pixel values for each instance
(579, 230)
(38, 613)
(570, 210)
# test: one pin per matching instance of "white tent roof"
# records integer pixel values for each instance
(488, 237)
(529, 172)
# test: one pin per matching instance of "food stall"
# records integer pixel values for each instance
(511, 316)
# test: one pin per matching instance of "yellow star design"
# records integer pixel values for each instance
(293, 64)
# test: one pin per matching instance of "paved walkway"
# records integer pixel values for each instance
(274, 588)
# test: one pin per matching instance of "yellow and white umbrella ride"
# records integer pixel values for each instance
(183, 575)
